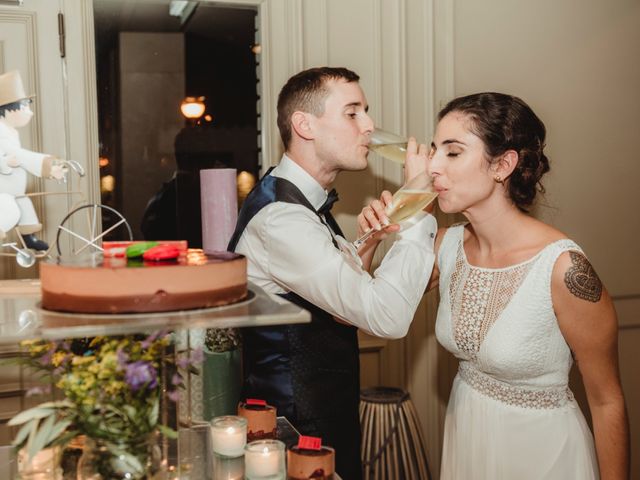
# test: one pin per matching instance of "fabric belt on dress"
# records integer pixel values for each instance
(527, 397)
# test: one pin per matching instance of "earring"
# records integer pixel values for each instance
(498, 179)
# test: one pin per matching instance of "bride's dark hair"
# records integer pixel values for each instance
(504, 122)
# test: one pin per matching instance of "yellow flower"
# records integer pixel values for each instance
(78, 360)
(58, 358)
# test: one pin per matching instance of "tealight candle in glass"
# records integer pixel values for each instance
(264, 460)
(228, 436)
(225, 468)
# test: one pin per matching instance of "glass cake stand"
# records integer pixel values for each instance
(23, 318)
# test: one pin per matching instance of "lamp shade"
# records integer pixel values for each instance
(192, 107)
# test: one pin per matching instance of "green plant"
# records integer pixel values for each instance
(222, 339)
(111, 388)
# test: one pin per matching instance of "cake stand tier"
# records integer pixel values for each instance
(23, 318)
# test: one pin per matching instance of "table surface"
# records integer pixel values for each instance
(22, 316)
(196, 460)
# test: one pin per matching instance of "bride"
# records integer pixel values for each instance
(519, 302)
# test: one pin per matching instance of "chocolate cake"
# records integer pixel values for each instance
(103, 284)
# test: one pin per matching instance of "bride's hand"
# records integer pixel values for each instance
(417, 159)
(373, 216)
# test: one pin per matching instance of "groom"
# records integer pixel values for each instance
(310, 372)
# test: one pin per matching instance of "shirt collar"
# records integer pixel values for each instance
(310, 188)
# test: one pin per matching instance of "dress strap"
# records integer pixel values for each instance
(551, 254)
(448, 251)
(557, 248)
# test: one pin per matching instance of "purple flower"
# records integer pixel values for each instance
(197, 356)
(47, 357)
(122, 358)
(138, 374)
(38, 391)
(182, 362)
(176, 379)
(174, 395)
(146, 343)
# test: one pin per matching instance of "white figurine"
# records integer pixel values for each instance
(15, 162)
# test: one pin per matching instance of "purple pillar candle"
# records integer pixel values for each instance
(219, 202)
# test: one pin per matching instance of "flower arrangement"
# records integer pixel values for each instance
(112, 391)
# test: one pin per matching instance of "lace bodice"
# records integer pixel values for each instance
(501, 324)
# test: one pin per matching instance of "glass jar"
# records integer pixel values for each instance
(45, 465)
(138, 459)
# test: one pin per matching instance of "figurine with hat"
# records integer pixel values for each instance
(16, 162)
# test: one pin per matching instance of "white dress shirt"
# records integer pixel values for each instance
(288, 249)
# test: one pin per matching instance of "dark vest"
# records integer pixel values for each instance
(310, 372)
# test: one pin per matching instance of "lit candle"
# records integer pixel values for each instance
(228, 436)
(264, 460)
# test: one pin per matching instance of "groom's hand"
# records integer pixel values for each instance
(374, 216)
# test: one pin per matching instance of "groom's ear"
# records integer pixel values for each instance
(301, 125)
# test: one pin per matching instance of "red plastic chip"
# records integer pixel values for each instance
(255, 401)
(309, 443)
(161, 252)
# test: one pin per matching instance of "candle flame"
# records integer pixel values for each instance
(230, 430)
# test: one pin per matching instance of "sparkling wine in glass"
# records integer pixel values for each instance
(388, 145)
(407, 204)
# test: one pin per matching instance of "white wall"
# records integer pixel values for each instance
(577, 63)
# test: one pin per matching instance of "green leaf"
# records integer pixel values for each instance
(168, 431)
(65, 438)
(22, 433)
(40, 439)
(31, 414)
(130, 411)
(58, 404)
(153, 413)
(32, 433)
(126, 462)
(57, 429)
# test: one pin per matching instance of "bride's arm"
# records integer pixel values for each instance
(587, 319)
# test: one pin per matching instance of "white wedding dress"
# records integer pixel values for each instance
(511, 415)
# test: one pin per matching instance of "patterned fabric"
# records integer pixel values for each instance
(478, 297)
(513, 395)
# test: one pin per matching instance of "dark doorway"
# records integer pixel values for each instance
(150, 56)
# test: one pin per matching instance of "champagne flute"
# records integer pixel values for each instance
(389, 145)
(407, 204)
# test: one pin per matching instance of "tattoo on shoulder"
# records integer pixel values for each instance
(582, 280)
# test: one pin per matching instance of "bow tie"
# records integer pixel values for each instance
(332, 198)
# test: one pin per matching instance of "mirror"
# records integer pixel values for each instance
(150, 56)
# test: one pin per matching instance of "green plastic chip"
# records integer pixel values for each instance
(137, 249)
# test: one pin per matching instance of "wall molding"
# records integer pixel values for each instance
(91, 101)
(316, 52)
